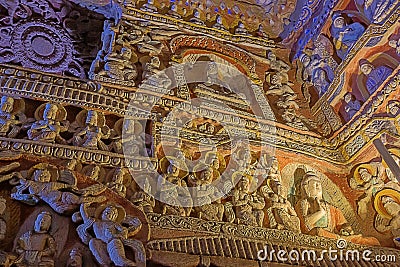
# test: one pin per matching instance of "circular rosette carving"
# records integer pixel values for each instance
(43, 46)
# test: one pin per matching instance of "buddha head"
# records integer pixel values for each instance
(50, 112)
(312, 186)
(339, 22)
(365, 66)
(110, 213)
(42, 175)
(91, 118)
(392, 207)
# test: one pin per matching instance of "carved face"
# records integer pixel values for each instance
(75, 259)
(50, 112)
(155, 61)
(197, 14)
(42, 223)
(277, 187)
(119, 177)
(366, 69)
(91, 118)
(313, 188)
(206, 175)
(365, 175)
(271, 56)
(126, 53)
(42, 176)
(276, 79)
(339, 22)
(109, 214)
(391, 206)
(7, 104)
(94, 173)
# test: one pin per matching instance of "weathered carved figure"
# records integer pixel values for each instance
(49, 124)
(196, 18)
(248, 206)
(219, 24)
(91, 131)
(241, 29)
(143, 198)
(43, 184)
(207, 207)
(281, 214)
(318, 217)
(75, 258)
(173, 187)
(10, 125)
(111, 237)
(119, 181)
(128, 137)
(37, 247)
(119, 66)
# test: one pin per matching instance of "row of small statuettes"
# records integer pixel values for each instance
(89, 130)
(312, 215)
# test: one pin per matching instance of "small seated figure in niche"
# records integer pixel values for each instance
(320, 81)
(281, 214)
(345, 35)
(241, 29)
(143, 198)
(173, 12)
(119, 181)
(248, 206)
(119, 66)
(196, 19)
(387, 205)
(174, 193)
(207, 197)
(43, 184)
(375, 76)
(352, 105)
(128, 138)
(50, 123)
(10, 108)
(92, 130)
(37, 247)
(111, 236)
(149, 7)
(260, 32)
(219, 24)
(367, 178)
(318, 217)
(395, 44)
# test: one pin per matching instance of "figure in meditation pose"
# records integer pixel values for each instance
(118, 181)
(352, 105)
(49, 127)
(218, 24)
(207, 198)
(143, 197)
(111, 236)
(128, 137)
(387, 205)
(375, 76)
(241, 29)
(8, 121)
(149, 7)
(197, 19)
(37, 248)
(281, 214)
(44, 185)
(248, 206)
(92, 131)
(345, 35)
(317, 217)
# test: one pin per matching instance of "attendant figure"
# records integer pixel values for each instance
(375, 76)
(37, 248)
(345, 35)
